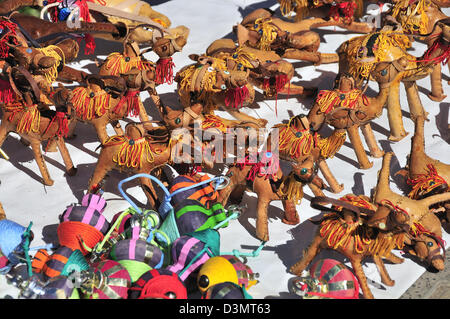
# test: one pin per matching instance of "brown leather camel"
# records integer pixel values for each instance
(347, 108)
(107, 99)
(142, 149)
(340, 13)
(132, 57)
(266, 178)
(127, 12)
(260, 29)
(358, 55)
(425, 175)
(359, 238)
(268, 71)
(33, 121)
(209, 82)
(420, 18)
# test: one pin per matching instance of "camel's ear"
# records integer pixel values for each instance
(194, 57)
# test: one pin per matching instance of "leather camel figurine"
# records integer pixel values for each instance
(133, 57)
(420, 18)
(43, 32)
(209, 82)
(270, 181)
(358, 238)
(33, 121)
(142, 149)
(107, 99)
(423, 221)
(268, 71)
(98, 12)
(347, 108)
(425, 175)
(342, 13)
(261, 30)
(358, 56)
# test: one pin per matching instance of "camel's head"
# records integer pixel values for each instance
(387, 72)
(141, 80)
(211, 75)
(425, 242)
(164, 42)
(61, 98)
(32, 59)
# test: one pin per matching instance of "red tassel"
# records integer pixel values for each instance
(9, 37)
(164, 71)
(90, 44)
(7, 94)
(235, 97)
(132, 99)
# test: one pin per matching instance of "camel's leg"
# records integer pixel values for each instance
(100, 128)
(36, 147)
(245, 117)
(262, 228)
(359, 273)
(290, 213)
(302, 55)
(308, 255)
(375, 150)
(385, 278)
(52, 146)
(294, 89)
(103, 166)
(72, 125)
(437, 92)
(329, 177)
(355, 139)
(4, 131)
(415, 104)
(2, 212)
(143, 116)
(149, 191)
(394, 111)
(394, 259)
(316, 190)
(358, 27)
(70, 168)
(382, 189)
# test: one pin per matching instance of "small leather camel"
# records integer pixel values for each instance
(107, 99)
(268, 71)
(261, 30)
(35, 122)
(208, 82)
(358, 238)
(270, 181)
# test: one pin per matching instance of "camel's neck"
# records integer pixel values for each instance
(377, 103)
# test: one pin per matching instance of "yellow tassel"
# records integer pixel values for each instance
(189, 75)
(213, 121)
(268, 33)
(332, 144)
(87, 107)
(381, 48)
(133, 153)
(52, 73)
(288, 7)
(117, 63)
(292, 189)
(243, 57)
(296, 146)
(412, 17)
